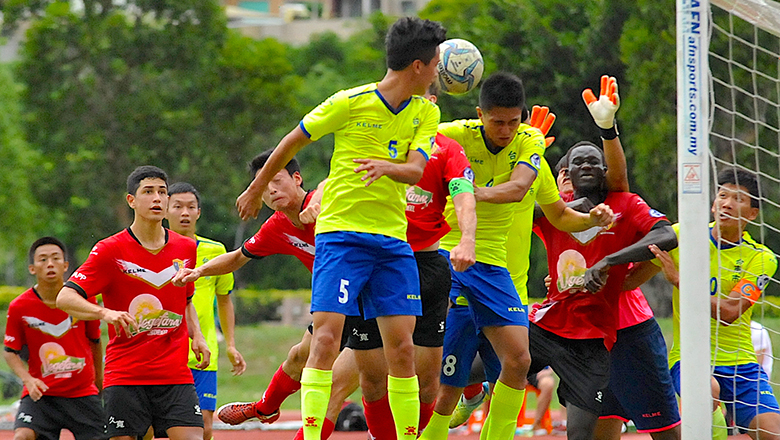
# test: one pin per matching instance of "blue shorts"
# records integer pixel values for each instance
(206, 387)
(492, 297)
(640, 386)
(461, 344)
(346, 262)
(744, 390)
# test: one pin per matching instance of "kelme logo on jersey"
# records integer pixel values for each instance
(571, 271)
(156, 279)
(418, 196)
(54, 361)
(150, 316)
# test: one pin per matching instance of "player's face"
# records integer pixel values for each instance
(501, 124)
(49, 264)
(564, 181)
(183, 213)
(586, 168)
(427, 73)
(282, 192)
(150, 200)
(731, 207)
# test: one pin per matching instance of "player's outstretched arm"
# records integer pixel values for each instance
(508, 192)
(662, 235)
(250, 201)
(221, 265)
(567, 219)
(35, 387)
(227, 317)
(603, 112)
(409, 172)
(71, 302)
(199, 345)
(640, 273)
(312, 210)
(464, 254)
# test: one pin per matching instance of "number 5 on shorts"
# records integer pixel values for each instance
(344, 297)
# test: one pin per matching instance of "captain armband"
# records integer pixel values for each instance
(461, 185)
(748, 290)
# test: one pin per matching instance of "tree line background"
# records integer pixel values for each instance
(98, 92)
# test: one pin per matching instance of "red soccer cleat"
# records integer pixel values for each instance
(240, 412)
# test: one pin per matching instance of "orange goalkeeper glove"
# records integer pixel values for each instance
(604, 108)
(542, 119)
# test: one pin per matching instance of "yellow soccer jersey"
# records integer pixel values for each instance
(493, 219)
(366, 127)
(206, 289)
(544, 191)
(730, 344)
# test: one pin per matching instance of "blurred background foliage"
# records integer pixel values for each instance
(164, 82)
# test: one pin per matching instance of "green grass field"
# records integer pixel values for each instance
(265, 346)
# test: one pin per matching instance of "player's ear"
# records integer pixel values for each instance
(297, 178)
(198, 216)
(131, 201)
(31, 269)
(479, 113)
(67, 264)
(751, 214)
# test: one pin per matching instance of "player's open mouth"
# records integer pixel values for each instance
(156, 209)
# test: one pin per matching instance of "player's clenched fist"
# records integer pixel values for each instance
(249, 204)
(185, 275)
(601, 215)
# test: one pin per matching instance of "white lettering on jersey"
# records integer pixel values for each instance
(55, 330)
(300, 244)
(156, 279)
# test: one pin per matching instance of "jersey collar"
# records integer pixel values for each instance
(130, 231)
(723, 245)
(394, 111)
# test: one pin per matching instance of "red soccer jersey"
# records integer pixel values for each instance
(279, 236)
(133, 279)
(633, 309)
(425, 201)
(60, 355)
(569, 311)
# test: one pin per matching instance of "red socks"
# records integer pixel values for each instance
(379, 419)
(426, 412)
(327, 430)
(281, 387)
(472, 391)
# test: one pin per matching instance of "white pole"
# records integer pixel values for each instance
(693, 202)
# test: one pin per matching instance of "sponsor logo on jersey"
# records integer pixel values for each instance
(54, 361)
(536, 161)
(418, 196)
(571, 269)
(151, 317)
(656, 214)
(55, 330)
(468, 173)
(300, 244)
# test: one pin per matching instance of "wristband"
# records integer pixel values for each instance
(458, 186)
(609, 133)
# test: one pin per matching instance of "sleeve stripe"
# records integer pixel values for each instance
(77, 288)
(529, 166)
(303, 128)
(425, 155)
(11, 350)
(249, 254)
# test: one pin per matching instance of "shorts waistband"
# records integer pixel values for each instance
(427, 255)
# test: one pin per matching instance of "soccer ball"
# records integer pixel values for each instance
(460, 66)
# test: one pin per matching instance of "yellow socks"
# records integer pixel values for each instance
(403, 393)
(437, 428)
(504, 409)
(315, 394)
(720, 430)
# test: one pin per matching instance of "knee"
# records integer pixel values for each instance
(374, 386)
(517, 364)
(24, 434)
(207, 433)
(429, 387)
(296, 356)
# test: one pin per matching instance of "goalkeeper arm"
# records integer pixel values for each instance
(603, 112)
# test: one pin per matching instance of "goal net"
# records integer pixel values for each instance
(728, 117)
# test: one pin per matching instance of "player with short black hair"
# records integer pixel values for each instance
(183, 213)
(64, 372)
(258, 162)
(383, 130)
(147, 382)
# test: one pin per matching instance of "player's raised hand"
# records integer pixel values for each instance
(667, 265)
(121, 321)
(35, 388)
(596, 276)
(542, 119)
(604, 108)
(249, 204)
(601, 215)
(310, 213)
(236, 360)
(185, 275)
(547, 282)
(201, 350)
